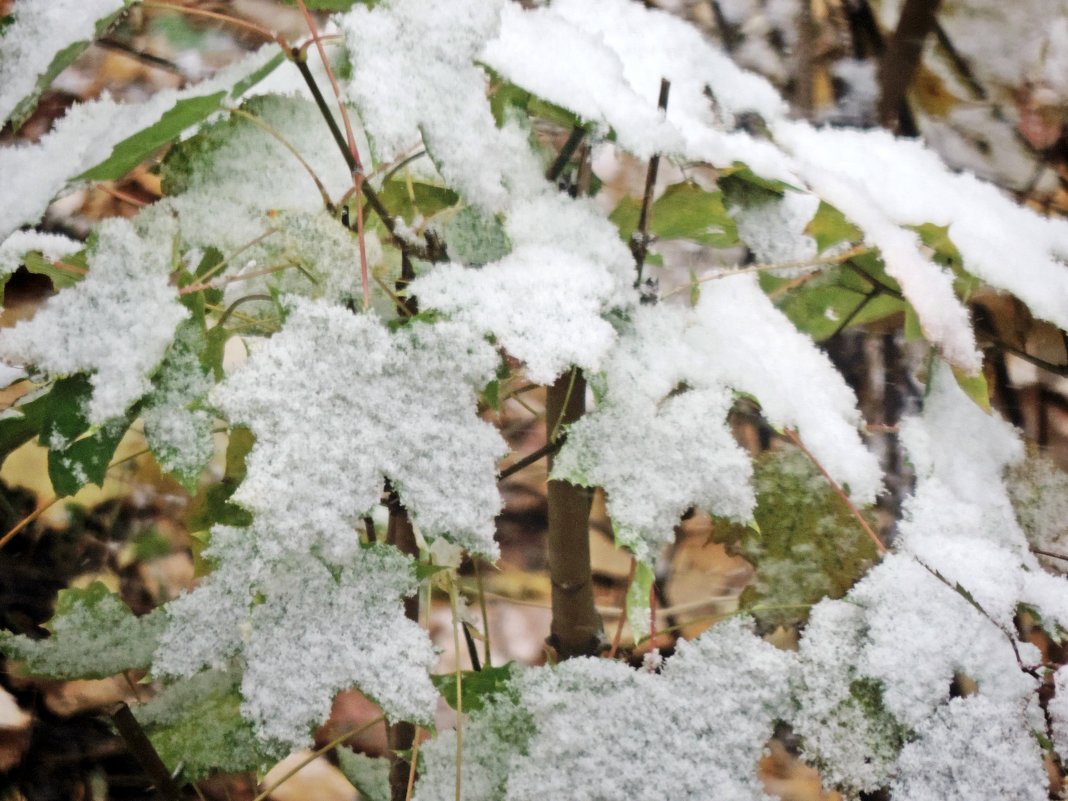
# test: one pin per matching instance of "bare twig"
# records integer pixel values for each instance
(145, 753)
(639, 240)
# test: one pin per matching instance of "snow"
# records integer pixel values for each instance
(180, 436)
(41, 29)
(1006, 245)
(594, 730)
(116, 324)
(972, 748)
(369, 405)
(33, 174)
(258, 608)
(52, 246)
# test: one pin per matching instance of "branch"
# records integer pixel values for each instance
(901, 61)
(145, 753)
(576, 629)
(548, 449)
(639, 240)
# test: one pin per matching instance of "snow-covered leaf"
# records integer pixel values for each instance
(93, 635)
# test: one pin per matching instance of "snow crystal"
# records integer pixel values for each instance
(699, 727)
(878, 664)
(32, 174)
(845, 178)
(117, 323)
(96, 637)
(317, 634)
(775, 231)
(593, 729)
(755, 349)
(304, 630)
(413, 73)
(657, 453)
(40, 30)
(52, 246)
(543, 303)
(972, 748)
(1005, 244)
(369, 405)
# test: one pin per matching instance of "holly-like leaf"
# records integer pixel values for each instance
(86, 460)
(369, 775)
(477, 685)
(196, 725)
(806, 545)
(93, 635)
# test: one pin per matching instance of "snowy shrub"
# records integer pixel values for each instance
(382, 310)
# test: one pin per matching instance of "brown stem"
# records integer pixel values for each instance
(576, 628)
(901, 61)
(145, 753)
(639, 243)
(401, 535)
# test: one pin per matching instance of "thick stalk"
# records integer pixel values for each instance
(576, 628)
(902, 60)
(401, 535)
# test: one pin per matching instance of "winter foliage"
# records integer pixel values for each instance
(349, 404)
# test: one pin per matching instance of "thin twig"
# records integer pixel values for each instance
(215, 270)
(879, 546)
(125, 197)
(318, 753)
(350, 141)
(574, 139)
(622, 618)
(233, 279)
(233, 306)
(411, 766)
(36, 513)
(236, 21)
(819, 261)
(640, 238)
(145, 753)
(545, 450)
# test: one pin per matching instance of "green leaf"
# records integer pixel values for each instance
(93, 635)
(369, 775)
(975, 387)
(807, 545)
(686, 211)
(55, 414)
(424, 570)
(625, 216)
(505, 97)
(415, 198)
(63, 59)
(637, 602)
(475, 238)
(61, 279)
(196, 724)
(86, 460)
(212, 505)
(478, 685)
(945, 253)
(838, 296)
(829, 227)
(130, 152)
(256, 76)
(743, 187)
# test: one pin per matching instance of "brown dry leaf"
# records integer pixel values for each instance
(318, 779)
(786, 777)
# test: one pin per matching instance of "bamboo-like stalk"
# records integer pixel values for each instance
(576, 628)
